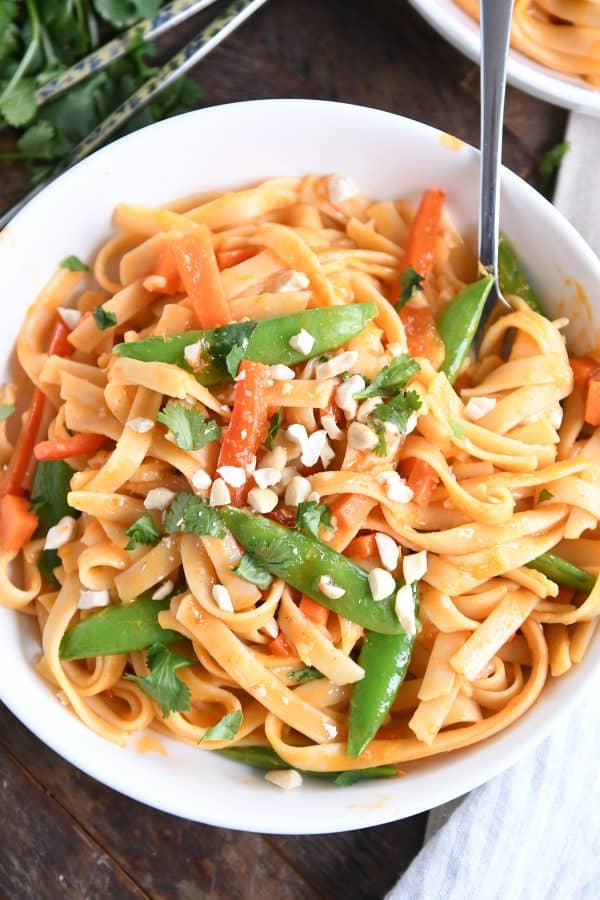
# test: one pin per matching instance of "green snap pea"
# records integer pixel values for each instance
(302, 561)
(265, 758)
(561, 571)
(118, 629)
(385, 659)
(458, 323)
(266, 341)
(512, 279)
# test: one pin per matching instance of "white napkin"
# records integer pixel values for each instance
(532, 833)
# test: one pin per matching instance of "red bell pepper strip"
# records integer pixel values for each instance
(17, 522)
(249, 422)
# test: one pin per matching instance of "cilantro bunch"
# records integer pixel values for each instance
(41, 38)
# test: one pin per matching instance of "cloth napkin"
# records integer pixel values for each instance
(532, 833)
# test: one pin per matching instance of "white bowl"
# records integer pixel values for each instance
(225, 147)
(461, 30)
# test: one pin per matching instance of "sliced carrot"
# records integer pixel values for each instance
(15, 476)
(228, 258)
(199, 273)
(167, 268)
(592, 402)
(463, 381)
(249, 423)
(362, 547)
(584, 368)
(280, 647)
(419, 252)
(17, 522)
(422, 336)
(62, 448)
(314, 611)
(350, 509)
(422, 479)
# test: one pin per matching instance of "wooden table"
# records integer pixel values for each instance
(63, 834)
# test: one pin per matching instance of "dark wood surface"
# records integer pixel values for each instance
(63, 834)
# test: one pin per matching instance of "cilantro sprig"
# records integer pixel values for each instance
(104, 318)
(398, 410)
(310, 516)
(142, 531)
(274, 425)
(74, 264)
(301, 676)
(410, 283)
(225, 729)
(189, 427)
(392, 378)
(162, 683)
(251, 570)
(189, 513)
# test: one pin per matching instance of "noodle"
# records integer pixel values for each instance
(511, 481)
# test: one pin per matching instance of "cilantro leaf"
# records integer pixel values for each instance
(104, 318)
(310, 516)
(274, 426)
(225, 729)
(382, 448)
(458, 430)
(122, 13)
(234, 358)
(6, 410)
(550, 161)
(392, 378)
(544, 495)
(191, 514)
(37, 141)
(48, 561)
(251, 570)
(301, 676)
(51, 484)
(162, 683)
(189, 427)
(74, 264)
(142, 531)
(398, 410)
(410, 283)
(18, 105)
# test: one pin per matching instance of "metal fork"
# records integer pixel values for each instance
(495, 18)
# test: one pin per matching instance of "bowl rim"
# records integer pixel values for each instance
(530, 76)
(487, 758)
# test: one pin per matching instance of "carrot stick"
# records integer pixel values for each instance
(584, 368)
(422, 479)
(280, 647)
(62, 448)
(314, 611)
(350, 509)
(199, 272)
(422, 237)
(17, 523)
(228, 258)
(362, 547)
(248, 425)
(592, 402)
(167, 268)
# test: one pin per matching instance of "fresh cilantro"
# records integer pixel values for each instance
(225, 729)
(544, 495)
(378, 427)
(74, 264)
(17, 103)
(301, 676)
(251, 570)
(51, 484)
(104, 318)
(391, 379)
(458, 430)
(143, 531)
(274, 426)
(121, 13)
(410, 283)
(398, 410)
(48, 561)
(189, 427)
(550, 161)
(234, 358)
(191, 514)
(162, 684)
(310, 516)
(6, 410)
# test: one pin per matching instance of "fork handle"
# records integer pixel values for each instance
(496, 16)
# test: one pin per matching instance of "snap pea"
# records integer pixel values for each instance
(385, 659)
(512, 279)
(563, 572)
(118, 629)
(266, 341)
(302, 561)
(265, 758)
(458, 323)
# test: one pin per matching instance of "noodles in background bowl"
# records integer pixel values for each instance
(563, 35)
(452, 489)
